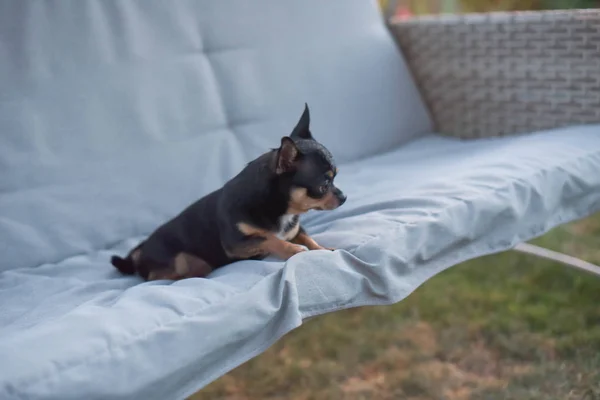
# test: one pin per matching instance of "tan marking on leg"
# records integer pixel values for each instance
(163, 274)
(252, 248)
(244, 251)
(270, 244)
(281, 248)
(180, 264)
(190, 266)
(305, 240)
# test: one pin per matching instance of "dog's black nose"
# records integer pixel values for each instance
(342, 198)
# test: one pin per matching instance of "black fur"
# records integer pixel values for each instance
(302, 128)
(258, 196)
(124, 265)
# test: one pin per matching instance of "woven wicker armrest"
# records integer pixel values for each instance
(504, 73)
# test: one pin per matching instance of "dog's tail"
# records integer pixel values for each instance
(124, 265)
(128, 265)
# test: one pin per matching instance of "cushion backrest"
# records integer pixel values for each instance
(113, 114)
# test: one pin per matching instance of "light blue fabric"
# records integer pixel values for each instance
(116, 115)
(76, 330)
(135, 108)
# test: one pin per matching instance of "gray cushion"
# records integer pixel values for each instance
(116, 115)
(74, 329)
(142, 106)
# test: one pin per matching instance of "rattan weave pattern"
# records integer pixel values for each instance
(505, 73)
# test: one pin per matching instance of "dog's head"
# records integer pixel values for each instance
(310, 170)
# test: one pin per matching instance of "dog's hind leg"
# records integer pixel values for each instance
(187, 265)
(182, 266)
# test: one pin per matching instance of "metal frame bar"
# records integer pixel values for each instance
(558, 257)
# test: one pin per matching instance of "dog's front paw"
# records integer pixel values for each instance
(323, 248)
(292, 250)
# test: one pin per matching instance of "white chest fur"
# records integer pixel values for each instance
(287, 228)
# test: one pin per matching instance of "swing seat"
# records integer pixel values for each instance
(116, 115)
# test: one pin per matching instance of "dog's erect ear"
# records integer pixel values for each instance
(286, 155)
(302, 129)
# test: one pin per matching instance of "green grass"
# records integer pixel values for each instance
(508, 326)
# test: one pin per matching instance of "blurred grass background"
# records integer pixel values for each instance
(502, 327)
(419, 7)
(506, 326)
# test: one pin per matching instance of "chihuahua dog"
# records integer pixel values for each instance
(254, 215)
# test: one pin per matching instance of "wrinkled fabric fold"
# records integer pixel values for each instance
(77, 329)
